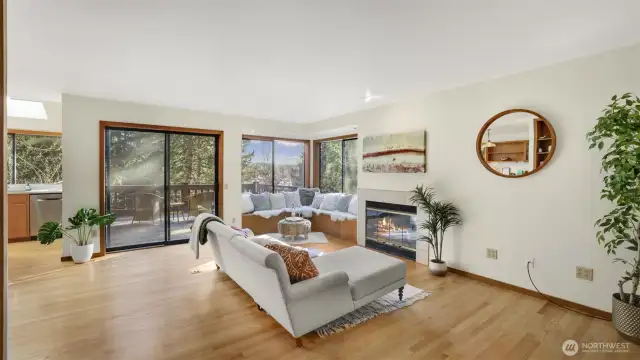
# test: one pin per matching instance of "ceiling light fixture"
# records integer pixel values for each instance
(368, 96)
(488, 144)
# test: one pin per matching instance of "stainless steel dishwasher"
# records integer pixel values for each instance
(43, 208)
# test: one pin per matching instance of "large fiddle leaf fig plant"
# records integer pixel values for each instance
(83, 222)
(617, 133)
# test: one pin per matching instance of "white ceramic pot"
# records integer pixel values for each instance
(438, 268)
(81, 254)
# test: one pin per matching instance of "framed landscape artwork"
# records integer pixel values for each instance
(395, 153)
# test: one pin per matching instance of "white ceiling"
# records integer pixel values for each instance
(294, 60)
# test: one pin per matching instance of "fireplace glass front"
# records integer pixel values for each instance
(390, 226)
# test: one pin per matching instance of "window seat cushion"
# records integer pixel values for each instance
(342, 216)
(306, 211)
(267, 213)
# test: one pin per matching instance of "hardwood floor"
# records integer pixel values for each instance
(30, 258)
(146, 304)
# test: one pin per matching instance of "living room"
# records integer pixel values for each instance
(336, 149)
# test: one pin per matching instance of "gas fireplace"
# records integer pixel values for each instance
(391, 228)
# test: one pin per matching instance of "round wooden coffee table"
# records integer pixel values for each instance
(294, 226)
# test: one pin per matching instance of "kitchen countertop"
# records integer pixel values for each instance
(35, 192)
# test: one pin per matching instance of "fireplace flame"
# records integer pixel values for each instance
(386, 225)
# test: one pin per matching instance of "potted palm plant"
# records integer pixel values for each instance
(617, 130)
(83, 222)
(441, 215)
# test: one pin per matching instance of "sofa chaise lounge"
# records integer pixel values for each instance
(348, 279)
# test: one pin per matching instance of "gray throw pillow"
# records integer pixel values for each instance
(317, 200)
(261, 201)
(306, 195)
(343, 203)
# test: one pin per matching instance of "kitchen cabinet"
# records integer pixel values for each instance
(18, 219)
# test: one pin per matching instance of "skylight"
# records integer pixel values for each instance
(26, 109)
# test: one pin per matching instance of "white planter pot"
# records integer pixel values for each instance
(81, 254)
(438, 269)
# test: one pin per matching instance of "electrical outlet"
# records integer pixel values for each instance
(532, 261)
(492, 254)
(584, 273)
(94, 233)
(233, 221)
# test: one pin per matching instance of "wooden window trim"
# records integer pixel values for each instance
(316, 154)
(3, 188)
(134, 126)
(33, 132)
(307, 152)
(341, 137)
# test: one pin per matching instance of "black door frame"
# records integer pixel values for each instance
(167, 180)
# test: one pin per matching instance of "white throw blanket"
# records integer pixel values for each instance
(199, 231)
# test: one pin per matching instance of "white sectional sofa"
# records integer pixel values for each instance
(347, 279)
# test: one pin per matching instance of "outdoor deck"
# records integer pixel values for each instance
(125, 233)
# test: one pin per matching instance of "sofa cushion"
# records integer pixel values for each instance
(292, 199)
(296, 260)
(353, 205)
(368, 271)
(343, 203)
(306, 195)
(317, 200)
(342, 216)
(277, 201)
(261, 201)
(247, 204)
(267, 213)
(320, 211)
(263, 240)
(305, 211)
(330, 201)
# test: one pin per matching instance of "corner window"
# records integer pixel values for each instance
(338, 166)
(273, 165)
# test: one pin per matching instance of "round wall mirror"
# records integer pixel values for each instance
(516, 143)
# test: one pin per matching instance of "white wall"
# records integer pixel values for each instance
(548, 215)
(80, 126)
(52, 123)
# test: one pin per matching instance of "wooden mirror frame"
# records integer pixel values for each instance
(498, 116)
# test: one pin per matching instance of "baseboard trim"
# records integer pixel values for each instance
(570, 304)
(68, 258)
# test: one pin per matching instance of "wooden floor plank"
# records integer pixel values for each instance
(147, 305)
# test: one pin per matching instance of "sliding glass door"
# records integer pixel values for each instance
(192, 185)
(156, 182)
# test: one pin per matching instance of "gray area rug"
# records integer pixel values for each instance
(314, 238)
(383, 305)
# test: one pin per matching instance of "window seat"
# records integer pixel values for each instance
(335, 223)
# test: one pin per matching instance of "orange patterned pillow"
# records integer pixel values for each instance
(297, 260)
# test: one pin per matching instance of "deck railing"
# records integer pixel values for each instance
(258, 188)
(122, 197)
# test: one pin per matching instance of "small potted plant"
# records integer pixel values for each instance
(441, 216)
(617, 130)
(83, 222)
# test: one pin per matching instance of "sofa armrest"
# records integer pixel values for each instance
(318, 284)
